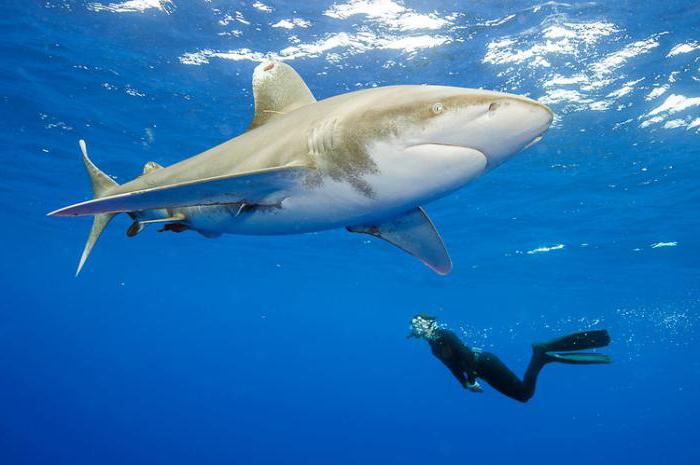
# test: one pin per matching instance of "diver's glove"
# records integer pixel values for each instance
(474, 387)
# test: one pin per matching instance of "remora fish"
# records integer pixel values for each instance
(364, 160)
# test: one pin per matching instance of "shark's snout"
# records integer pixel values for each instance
(541, 116)
(498, 125)
(519, 122)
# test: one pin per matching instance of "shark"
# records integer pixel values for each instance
(367, 161)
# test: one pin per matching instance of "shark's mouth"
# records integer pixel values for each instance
(444, 167)
(441, 144)
(532, 142)
(447, 153)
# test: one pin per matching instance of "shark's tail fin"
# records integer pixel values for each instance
(101, 186)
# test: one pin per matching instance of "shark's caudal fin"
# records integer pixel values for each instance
(414, 233)
(101, 185)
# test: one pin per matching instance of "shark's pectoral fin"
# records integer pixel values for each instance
(251, 187)
(277, 90)
(415, 234)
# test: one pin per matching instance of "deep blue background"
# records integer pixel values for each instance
(176, 349)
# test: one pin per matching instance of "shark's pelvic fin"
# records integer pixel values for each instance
(137, 226)
(277, 90)
(242, 187)
(415, 234)
(101, 186)
(170, 219)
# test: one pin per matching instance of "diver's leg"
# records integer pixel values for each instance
(537, 361)
(492, 370)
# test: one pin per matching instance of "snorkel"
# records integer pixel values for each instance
(423, 327)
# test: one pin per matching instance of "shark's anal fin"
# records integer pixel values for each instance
(277, 90)
(415, 234)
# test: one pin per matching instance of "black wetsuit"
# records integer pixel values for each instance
(467, 365)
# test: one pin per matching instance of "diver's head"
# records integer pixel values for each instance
(423, 326)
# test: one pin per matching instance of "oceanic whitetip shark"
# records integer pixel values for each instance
(365, 160)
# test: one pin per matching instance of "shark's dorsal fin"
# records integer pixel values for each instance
(277, 89)
(414, 233)
(151, 166)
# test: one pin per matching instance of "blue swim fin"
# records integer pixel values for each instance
(578, 358)
(578, 341)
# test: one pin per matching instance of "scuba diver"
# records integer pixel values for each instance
(468, 364)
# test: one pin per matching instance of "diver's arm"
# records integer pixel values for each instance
(467, 382)
(474, 387)
(454, 354)
(459, 374)
(471, 383)
(468, 359)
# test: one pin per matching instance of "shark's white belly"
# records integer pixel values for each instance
(404, 179)
(330, 206)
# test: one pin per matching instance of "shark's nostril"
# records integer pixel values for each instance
(493, 107)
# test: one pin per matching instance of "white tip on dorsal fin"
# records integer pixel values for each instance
(414, 233)
(277, 89)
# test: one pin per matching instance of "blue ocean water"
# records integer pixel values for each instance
(176, 349)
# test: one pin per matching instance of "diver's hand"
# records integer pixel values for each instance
(474, 387)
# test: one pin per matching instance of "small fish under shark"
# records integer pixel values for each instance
(366, 161)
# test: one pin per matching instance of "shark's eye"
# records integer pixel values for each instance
(438, 108)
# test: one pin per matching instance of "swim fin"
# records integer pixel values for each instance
(578, 358)
(578, 341)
